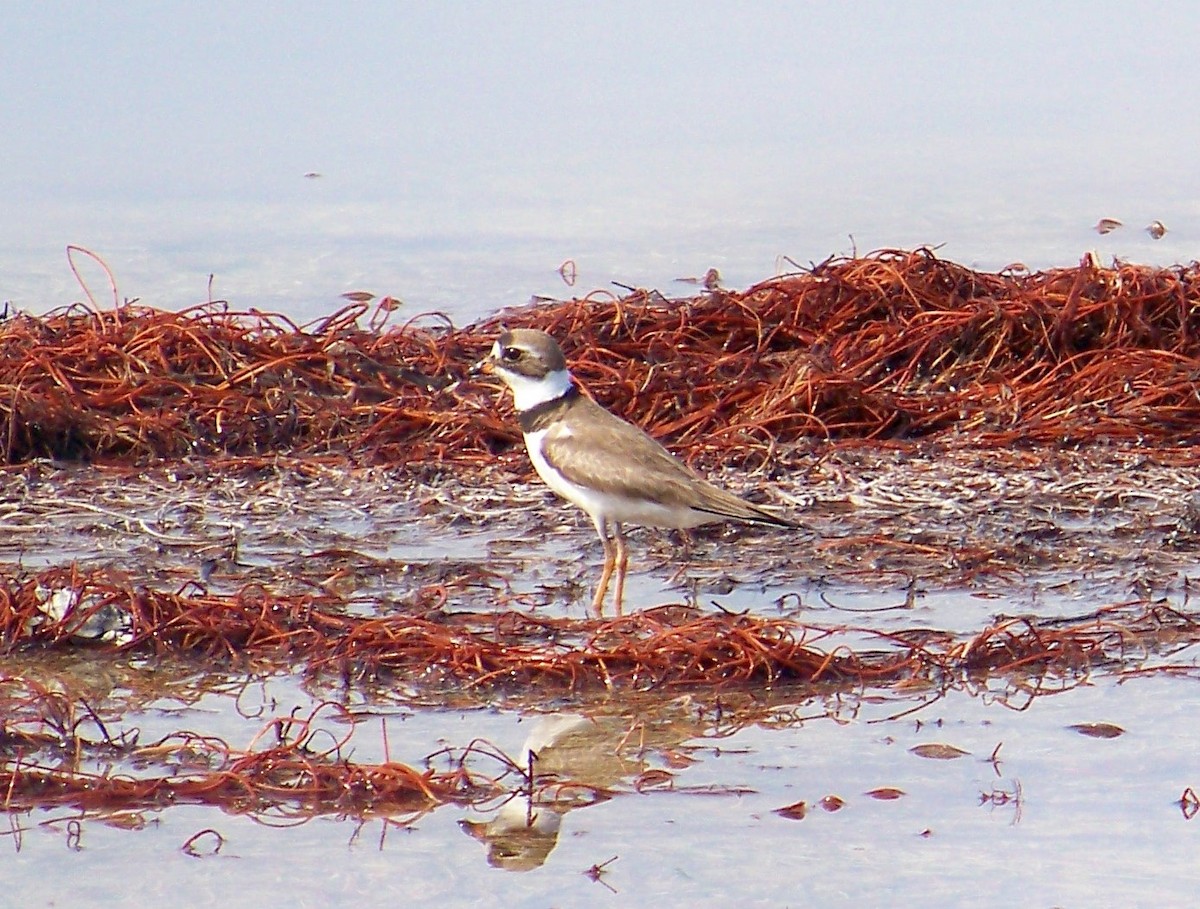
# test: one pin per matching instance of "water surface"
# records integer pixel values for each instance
(465, 153)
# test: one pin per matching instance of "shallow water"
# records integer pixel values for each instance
(679, 789)
(1058, 818)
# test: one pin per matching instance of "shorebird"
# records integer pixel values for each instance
(610, 468)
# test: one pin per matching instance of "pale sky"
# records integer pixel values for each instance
(456, 137)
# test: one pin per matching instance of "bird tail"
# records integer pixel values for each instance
(741, 510)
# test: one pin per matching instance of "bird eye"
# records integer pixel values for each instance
(511, 354)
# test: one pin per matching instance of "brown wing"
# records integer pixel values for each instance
(620, 459)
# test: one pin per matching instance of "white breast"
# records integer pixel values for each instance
(579, 495)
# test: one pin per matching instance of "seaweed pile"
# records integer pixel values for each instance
(282, 774)
(663, 647)
(897, 345)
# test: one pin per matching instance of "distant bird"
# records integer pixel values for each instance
(710, 281)
(1107, 225)
(606, 466)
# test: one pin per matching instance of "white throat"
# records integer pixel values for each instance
(529, 393)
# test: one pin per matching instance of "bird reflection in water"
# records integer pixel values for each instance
(575, 762)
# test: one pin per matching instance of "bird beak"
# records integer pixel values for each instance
(486, 366)
(482, 368)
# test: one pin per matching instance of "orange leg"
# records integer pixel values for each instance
(610, 561)
(622, 560)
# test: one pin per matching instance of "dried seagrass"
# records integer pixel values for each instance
(897, 345)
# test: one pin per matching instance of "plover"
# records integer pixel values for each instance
(608, 467)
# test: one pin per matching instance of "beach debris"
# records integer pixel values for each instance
(80, 617)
